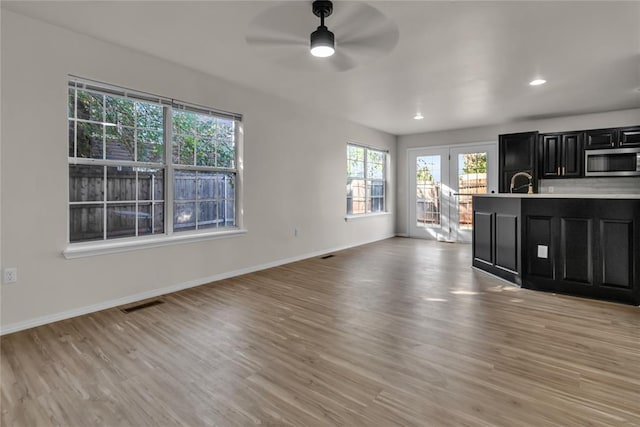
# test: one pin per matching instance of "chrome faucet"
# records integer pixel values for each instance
(513, 181)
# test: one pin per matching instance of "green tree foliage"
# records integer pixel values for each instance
(475, 163)
(207, 138)
(375, 164)
(423, 174)
(355, 162)
(198, 139)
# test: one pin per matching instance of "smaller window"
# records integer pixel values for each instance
(366, 180)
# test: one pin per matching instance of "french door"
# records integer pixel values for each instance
(442, 181)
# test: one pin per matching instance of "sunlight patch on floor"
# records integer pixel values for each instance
(434, 299)
(460, 292)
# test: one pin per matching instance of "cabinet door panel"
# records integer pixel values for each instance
(630, 137)
(551, 156)
(483, 236)
(572, 155)
(507, 242)
(518, 151)
(616, 253)
(600, 138)
(575, 250)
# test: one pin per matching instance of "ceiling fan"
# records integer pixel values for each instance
(355, 33)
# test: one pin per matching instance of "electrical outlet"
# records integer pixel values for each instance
(543, 251)
(10, 275)
(295, 232)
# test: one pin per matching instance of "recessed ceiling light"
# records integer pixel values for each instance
(418, 116)
(537, 82)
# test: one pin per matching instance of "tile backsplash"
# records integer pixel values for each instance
(617, 185)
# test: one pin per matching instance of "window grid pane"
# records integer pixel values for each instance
(366, 178)
(472, 179)
(124, 199)
(204, 200)
(204, 197)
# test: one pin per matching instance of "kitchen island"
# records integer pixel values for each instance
(584, 245)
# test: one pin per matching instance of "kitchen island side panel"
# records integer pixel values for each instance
(497, 237)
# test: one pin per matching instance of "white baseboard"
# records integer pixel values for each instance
(79, 311)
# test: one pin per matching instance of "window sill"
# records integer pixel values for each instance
(363, 216)
(81, 250)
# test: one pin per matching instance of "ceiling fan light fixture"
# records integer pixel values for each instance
(322, 42)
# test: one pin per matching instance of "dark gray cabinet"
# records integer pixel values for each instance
(585, 247)
(600, 138)
(517, 153)
(629, 136)
(561, 155)
(612, 138)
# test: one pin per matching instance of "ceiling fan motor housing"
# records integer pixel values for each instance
(322, 8)
(323, 37)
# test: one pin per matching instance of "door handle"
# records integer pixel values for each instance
(564, 170)
(558, 171)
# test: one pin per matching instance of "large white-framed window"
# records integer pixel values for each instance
(142, 165)
(366, 180)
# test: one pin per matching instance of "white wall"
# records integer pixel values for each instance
(490, 133)
(294, 159)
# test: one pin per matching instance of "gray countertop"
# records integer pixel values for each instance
(562, 196)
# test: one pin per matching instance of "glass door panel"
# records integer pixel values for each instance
(429, 208)
(428, 191)
(471, 169)
(442, 184)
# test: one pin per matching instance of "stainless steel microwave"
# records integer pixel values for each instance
(612, 162)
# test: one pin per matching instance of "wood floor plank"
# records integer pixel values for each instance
(396, 333)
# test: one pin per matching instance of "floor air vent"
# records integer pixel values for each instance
(327, 256)
(141, 306)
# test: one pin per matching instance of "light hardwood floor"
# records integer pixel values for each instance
(399, 332)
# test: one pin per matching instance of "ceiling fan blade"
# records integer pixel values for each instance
(290, 20)
(380, 41)
(341, 61)
(352, 18)
(274, 41)
(363, 31)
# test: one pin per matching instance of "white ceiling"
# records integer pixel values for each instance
(462, 64)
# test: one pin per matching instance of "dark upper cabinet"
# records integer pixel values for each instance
(572, 154)
(600, 138)
(562, 155)
(517, 150)
(517, 153)
(551, 150)
(629, 137)
(612, 138)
